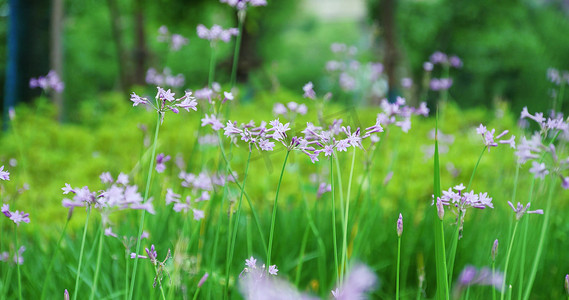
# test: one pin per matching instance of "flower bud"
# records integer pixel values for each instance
(203, 279)
(567, 283)
(400, 225)
(440, 209)
(495, 250)
(66, 295)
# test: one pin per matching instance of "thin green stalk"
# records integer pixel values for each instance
(493, 272)
(441, 267)
(475, 167)
(344, 259)
(97, 269)
(321, 246)
(301, 256)
(211, 66)
(274, 217)
(143, 213)
(18, 262)
(196, 293)
(241, 18)
(508, 260)
(127, 257)
(50, 267)
(334, 237)
(541, 242)
(231, 244)
(159, 283)
(454, 246)
(76, 290)
(398, 264)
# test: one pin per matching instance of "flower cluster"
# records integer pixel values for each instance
(470, 275)
(165, 101)
(441, 58)
(216, 33)
(161, 159)
(49, 82)
(441, 84)
(309, 91)
(535, 150)
(16, 216)
(491, 141)
(290, 110)
(520, 210)
(176, 41)
(4, 175)
(399, 113)
(18, 256)
(118, 196)
(242, 4)
(184, 206)
(558, 77)
(359, 281)
(165, 78)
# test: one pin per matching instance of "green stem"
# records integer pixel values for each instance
(493, 272)
(454, 246)
(97, 269)
(127, 257)
(76, 290)
(211, 67)
(441, 267)
(508, 260)
(18, 262)
(541, 242)
(196, 293)
(398, 264)
(143, 213)
(334, 237)
(344, 258)
(474, 171)
(231, 248)
(241, 17)
(301, 256)
(274, 217)
(159, 283)
(50, 267)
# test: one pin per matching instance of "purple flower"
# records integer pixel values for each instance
(490, 140)
(122, 179)
(438, 58)
(198, 214)
(106, 177)
(50, 82)
(428, 66)
(137, 99)
(203, 279)
(66, 295)
(400, 225)
(251, 263)
(4, 175)
(359, 281)
(213, 121)
(455, 62)
(6, 210)
(19, 217)
(470, 275)
(538, 169)
(273, 270)
(216, 33)
(161, 159)
(323, 188)
(406, 82)
(520, 210)
(309, 91)
(151, 254)
(109, 232)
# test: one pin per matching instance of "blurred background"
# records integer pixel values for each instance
(96, 47)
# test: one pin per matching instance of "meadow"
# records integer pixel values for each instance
(213, 193)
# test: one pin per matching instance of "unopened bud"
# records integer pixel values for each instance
(66, 295)
(440, 209)
(567, 283)
(400, 225)
(202, 281)
(495, 250)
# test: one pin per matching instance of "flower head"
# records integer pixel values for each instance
(520, 210)
(4, 175)
(400, 225)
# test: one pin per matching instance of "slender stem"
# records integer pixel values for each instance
(231, 245)
(241, 19)
(127, 257)
(454, 246)
(159, 283)
(475, 167)
(344, 265)
(143, 213)
(508, 260)
(274, 217)
(211, 67)
(493, 272)
(18, 262)
(100, 251)
(196, 293)
(76, 290)
(439, 232)
(541, 242)
(301, 256)
(334, 237)
(398, 264)
(50, 267)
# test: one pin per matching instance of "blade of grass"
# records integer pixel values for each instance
(441, 267)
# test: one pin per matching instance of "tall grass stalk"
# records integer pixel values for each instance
(76, 290)
(334, 236)
(233, 231)
(18, 261)
(241, 14)
(398, 265)
(542, 236)
(98, 267)
(211, 66)
(274, 216)
(146, 194)
(441, 267)
(344, 258)
(508, 261)
(50, 266)
(159, 283)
